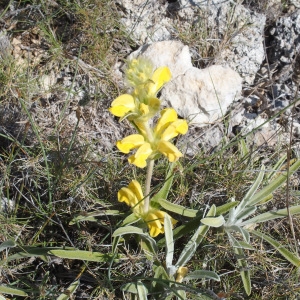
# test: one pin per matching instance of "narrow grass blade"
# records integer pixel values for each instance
(178, 209)
(69, 291)
(82, 255)
(273, 185)
(169, 241)
(202, 274)
(12, 291)
(271, 215)
(292, 258)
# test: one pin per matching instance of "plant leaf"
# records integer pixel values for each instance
(91, 216)
(271, 215)
(202, 274)
(135, 230)
(292, 258)
(194, 242)
(245, 201)
(7, 244)
(12, 291)
(244, 272)
(213, 221)
(131, 219)
(142, 291)
(178, 209)
(273, 185)
(83, 255)
(169, 241)
(164, 191)
(221, 210)
(69, 291)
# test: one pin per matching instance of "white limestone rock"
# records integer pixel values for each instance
(203, 96)
(173, 54)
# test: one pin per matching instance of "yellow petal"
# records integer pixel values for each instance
(127, 195)
(135, 187)
(175, 128)
(169, 150)
(181, 273)
(160, 76)
(122, 105)
(130, 142)
(168, 116)
(141, 155)
(155, 225)
(144, 109)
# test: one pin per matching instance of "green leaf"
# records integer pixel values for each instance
(245, 234)
(69, 291)
(128, 230)
(273, 185)
(271, 215)
(169, 241)
(142, 291)
(248, 197)
(131, 219)
(213, 221)
(194, 242)
(178, 209)
(202, 274)
(151, 243)
(164, 191)
(7, 244)
(277, 166)
(115, 243)
(12, 291)
(82, 255)
(2, 298)
(129, 288)
(245, 213)
(91, 216)
(183, 230)
(292, 258)
(25, 252)
(221, 210)
(244, 272)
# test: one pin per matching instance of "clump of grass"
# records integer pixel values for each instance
(63, 183)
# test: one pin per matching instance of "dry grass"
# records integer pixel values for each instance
(58, 161)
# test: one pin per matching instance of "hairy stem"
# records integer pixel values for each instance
(148, 185)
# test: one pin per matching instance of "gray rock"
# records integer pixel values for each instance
(172, 54)
(203, 96)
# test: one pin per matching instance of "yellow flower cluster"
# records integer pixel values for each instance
(133, 197)
(142, 105)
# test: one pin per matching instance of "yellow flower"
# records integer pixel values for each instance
(142, 104)
(122, 105)
(133, 197)
(181, 273)
(168, 127)
(160, 76)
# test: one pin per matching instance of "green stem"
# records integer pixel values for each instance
(148, 185)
